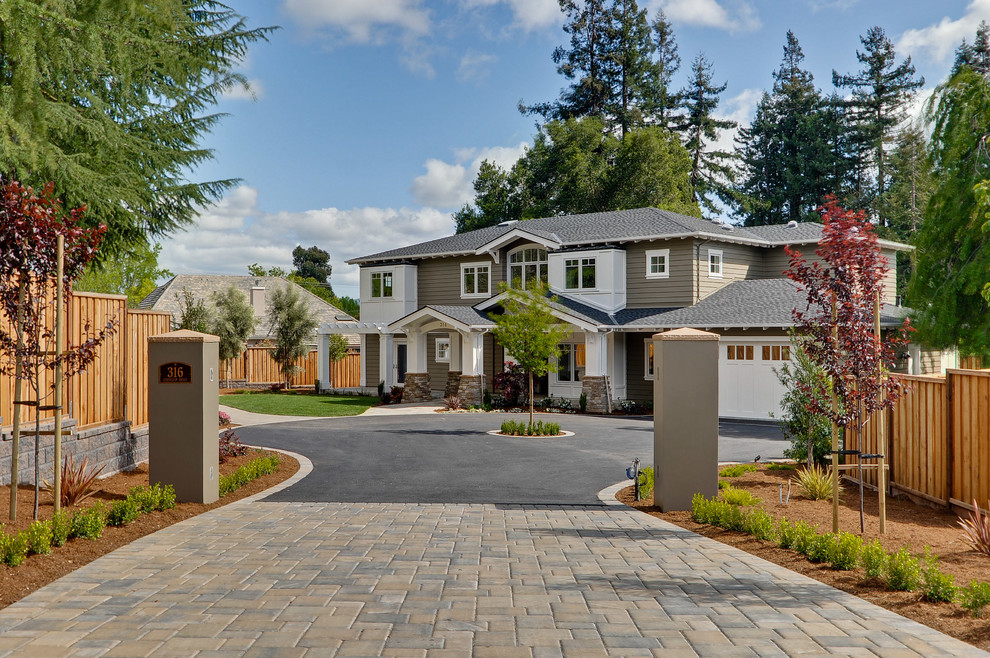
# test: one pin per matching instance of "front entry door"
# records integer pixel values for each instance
(400, 363)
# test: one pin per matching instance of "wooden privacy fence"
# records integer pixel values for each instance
(115, 386)
(937, 439)
(256, 366)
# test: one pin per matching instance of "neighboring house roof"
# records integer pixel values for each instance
(610, 228)
(169, 297)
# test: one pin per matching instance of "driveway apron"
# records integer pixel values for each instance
(294, 578)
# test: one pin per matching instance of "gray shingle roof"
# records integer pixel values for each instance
(602, 228)
(464, 314)
(169, 297)
(754, 303)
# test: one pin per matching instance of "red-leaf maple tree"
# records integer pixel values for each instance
(30, 223)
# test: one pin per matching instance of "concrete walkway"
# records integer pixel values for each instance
(293, 579)
(249, 418)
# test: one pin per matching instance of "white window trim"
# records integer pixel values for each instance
(509, 264)
(652, 253)
(581, 265)
(647, 375)
(721, 264)
(439, 357)
(476, 295)
(371, 284)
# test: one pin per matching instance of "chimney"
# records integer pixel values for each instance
(258, 298)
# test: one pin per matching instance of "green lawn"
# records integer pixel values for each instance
(299, 404)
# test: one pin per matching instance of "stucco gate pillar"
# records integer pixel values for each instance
(417, 386)
(183, 399)
(685, 417)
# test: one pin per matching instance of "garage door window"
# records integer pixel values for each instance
(776, 353)
(739, 352)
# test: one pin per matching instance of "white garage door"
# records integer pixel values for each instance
(747, 384)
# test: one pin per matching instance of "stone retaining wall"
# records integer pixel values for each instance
(417, 387)
(114, 446)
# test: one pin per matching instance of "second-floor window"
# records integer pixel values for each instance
(658, 264)
(579, 274)
(715, 263)
(526, 265)
(475, 280)
(381, 285)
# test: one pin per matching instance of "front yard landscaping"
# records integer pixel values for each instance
(909, 526)
(298, 403)
(38, 570)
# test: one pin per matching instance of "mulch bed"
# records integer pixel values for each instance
(908, 525)
(39, 570)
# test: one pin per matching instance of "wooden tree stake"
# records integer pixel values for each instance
(59, 348)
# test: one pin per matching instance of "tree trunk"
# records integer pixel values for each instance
(530, 397)
(15, 443)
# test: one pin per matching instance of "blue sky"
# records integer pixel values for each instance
(368, 119)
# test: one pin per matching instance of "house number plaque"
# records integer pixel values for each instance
(175, 373)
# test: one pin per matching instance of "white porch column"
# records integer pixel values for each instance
(417, 351)
(914, 359)
(386, 355)
(322, 360)
(455, 351)
(363, 381)
(595, 368)
(473, 352)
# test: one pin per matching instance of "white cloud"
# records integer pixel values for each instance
(841, 5)
(938, 41)
(731, 15)
(362, 21)
(234, 233)
(255, 90)
(474, 66)
(449, 185)
(528, 15)
(740, 108)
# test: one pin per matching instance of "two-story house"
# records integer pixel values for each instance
(619, 277)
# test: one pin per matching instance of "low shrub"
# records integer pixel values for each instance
(39, 537)
(630, 407)
(937, 586)
(815, 482)
(737, 470)
(976, 527)
(781, 466)
(61, 524)
(251, 471)
(729, 516)
(552, 404)
(722, 484)
(647, 480)
(539, 428)
(583, 402)
(395, 395)
(903, 572)
(224, 419)
(845, 551)
(498, 401)
(874, 559)
(974, 597)
(123, 512)
(820, 547)
(453, 402)
(704, 510)
(761, 525)
(89, 523)
(786, 534)
(510, 384)
(739, 497)
(155, 498)
(804, 536)
(13, 548)
(230, 446)
(278, 387)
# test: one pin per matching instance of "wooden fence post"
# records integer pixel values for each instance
(950, 449)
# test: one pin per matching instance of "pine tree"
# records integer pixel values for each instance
(880, 94)
(711, 171)
(953, 252)
(977, 55)
(496, 200)
(631, 71)
(112, 99)
(665, 102)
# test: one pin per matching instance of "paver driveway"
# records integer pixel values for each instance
(263, 578)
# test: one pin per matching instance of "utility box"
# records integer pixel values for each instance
(183, 405)
(685, 417)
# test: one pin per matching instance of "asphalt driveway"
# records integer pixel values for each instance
(449, 458)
